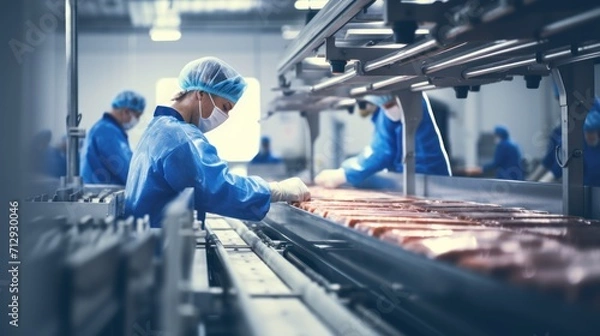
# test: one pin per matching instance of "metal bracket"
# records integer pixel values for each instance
(575, 84)
(333, 52)
(577, 153)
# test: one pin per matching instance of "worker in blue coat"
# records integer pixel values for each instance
(385, 150)
(174, 153)
(591, 147)
(106, 155)
(507, 157)
(264, 154)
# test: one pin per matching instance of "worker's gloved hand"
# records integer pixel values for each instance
(331, 178)
(290, 190)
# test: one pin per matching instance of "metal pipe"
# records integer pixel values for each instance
(71, 53)
(583, 52)
(570, 22)
(335, 315)
(470, 56)
(499, 68)
(333, 81)
(391, 81)
(333, 16)
(405, 53)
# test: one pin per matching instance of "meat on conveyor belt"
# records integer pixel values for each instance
(555, 253)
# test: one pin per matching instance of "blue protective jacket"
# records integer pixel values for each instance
(262, 158)
(106, 154)
(386, 152)
(173, 155)
(507, 161)
(549, 161)
(591, 165)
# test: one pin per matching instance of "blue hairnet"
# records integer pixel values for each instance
(210, 74)
(129, 100)
(378, 100)
(592, 121)
(265, 140)
(502, 132)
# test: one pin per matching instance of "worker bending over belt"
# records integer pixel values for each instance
(174, 154)
(385, 150)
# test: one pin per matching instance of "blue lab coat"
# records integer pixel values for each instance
(386, 152)
(262, 158)
(106, 154)
(591, 165)
(173, 155)
(507, 161)
(549, 162)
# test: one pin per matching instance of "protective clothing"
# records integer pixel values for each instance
(211, 75)
(131, 123)
(591, 154)
(129, 100)
(106, 155)
(173, 155)
(592, 120)
(216, 118)
(507, 158)
(331, 178)
(388, 104)
(264, 155)
(549, 161)
(386, 149)
(591, 165)
(290, 190)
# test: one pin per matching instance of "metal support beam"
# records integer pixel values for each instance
(72, 179)
(576, 88)
(327, 22)
(411, 103)
(312, 119)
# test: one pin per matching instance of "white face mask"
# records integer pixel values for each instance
(131, 123)
(216, 118)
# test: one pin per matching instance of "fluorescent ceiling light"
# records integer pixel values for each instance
(200, 6)
(165, 34)
(425, 88)
(309, 4)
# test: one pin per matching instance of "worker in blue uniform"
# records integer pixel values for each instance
(264, 154)
(507, 157)
(106, 155)
(385, 150)
(174, 153)
(591, 147)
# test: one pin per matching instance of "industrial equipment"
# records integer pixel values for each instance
(298, 272)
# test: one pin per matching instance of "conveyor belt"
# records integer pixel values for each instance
(428, 296)
(270, 305)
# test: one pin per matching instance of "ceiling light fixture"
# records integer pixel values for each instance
(162, 34)
(309, 4)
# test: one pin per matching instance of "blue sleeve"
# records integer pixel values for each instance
(375, 157)
(216, 190)
(499, 155)
(115, 153)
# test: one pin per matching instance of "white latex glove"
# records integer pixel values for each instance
(331, 178)
(289, 190)
(548, 177)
